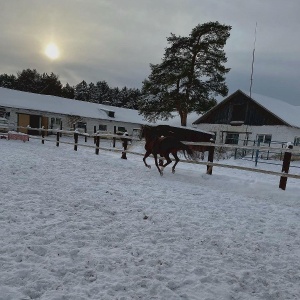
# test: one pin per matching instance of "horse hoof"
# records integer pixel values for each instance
(149, 167)
(173, 171)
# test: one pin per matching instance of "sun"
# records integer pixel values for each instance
(52, 51)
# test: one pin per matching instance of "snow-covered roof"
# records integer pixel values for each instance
(24, 100)
(287, 112)
(53, 104)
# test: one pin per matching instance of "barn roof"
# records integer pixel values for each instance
(59, 105)
(288, 113)
(53, 104)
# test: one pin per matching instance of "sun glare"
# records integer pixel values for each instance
(52, 51)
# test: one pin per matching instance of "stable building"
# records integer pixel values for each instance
(25, 110)
(243, 120)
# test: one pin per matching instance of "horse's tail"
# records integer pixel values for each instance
(188, 153)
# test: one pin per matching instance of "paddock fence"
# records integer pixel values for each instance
(286, 153)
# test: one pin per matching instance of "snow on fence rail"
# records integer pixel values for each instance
(284, 174)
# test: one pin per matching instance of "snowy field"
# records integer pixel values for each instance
(76, 226)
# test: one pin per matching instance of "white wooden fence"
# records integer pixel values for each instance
(210, 164)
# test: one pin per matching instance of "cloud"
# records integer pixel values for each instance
(117, 40)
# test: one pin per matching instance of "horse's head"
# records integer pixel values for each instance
(149, 132)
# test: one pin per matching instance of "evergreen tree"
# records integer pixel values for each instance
(82, 91)
(115, 97)
(123, 96)
(132, 99)
(8, 81)
(103, 90)
(28, 81)
(50, 85)
(68, 92)
(31, 81)
(190, 76)
(93, 93)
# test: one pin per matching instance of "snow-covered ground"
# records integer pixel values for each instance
(75, 226)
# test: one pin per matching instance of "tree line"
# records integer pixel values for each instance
(189, 78)
(30, 80)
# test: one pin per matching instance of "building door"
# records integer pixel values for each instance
(45, 124)
(34, 123)
(23, 121)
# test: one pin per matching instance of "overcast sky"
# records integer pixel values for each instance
(116, 40)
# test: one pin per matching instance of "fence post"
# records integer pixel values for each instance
(268, 151)
(97, 144)
(235, 153)
(60, 129)
(114, 139)
(125, 143)
(211, 152)
(257, 153)
(85, 131)
(75, 140)
(57, 138)
(43, 135)
(285, 167)
(253, 150)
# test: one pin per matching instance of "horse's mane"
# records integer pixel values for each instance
(149, 133)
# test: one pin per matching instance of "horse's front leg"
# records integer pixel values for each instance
(144, 159)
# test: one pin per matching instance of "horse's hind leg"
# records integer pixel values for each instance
(157, 166)
(176, 161)
(167, 157)
(144, 159)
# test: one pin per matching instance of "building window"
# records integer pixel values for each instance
(111, 114)
(264, 138)
(232, 138)
(121, 129)
(102, 127)
(81, 125)
(297, 141)
(55, 122)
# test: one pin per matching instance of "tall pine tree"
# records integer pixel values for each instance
(190, 76)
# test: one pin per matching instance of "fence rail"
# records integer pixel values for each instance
(210, 164)
(260, 148)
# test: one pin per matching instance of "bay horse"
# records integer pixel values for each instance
(156, 144)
